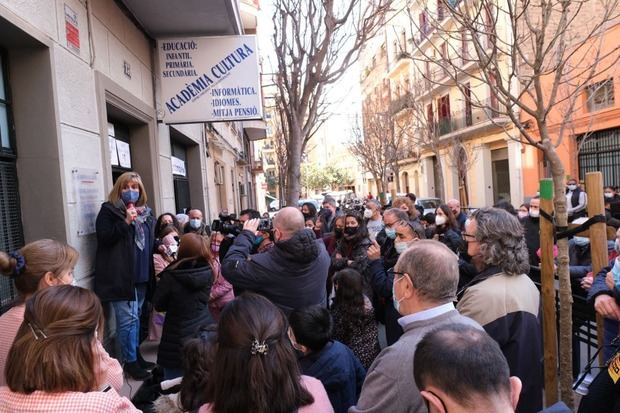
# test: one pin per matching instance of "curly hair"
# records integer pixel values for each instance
(349, 300)
(198, 358)
(502, 243)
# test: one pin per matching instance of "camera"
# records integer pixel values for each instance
(265, 225)
(227, 224)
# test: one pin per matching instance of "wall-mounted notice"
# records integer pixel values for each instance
(72, 32)
(178, 166)
(210, 79)
(124, 154)
(86, 190)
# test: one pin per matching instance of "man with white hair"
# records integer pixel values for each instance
(374, 221)
(461, 217)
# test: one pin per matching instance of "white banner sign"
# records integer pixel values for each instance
(178, 166)
(86, 192)
(210, 79)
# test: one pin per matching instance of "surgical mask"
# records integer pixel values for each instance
(572, 187)
(440, 220)
(130, 196)
(534, 213)
(390, 232)
(522, 214)
(172, 249)
(609, 195)
(195, 223)
(367, 213)
(401, 247)
(351, 230)
(396, 302)
(258, 240)
(581, 241)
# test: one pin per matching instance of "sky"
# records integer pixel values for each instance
(344, 96)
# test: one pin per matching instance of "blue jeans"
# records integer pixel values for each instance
(128, 323)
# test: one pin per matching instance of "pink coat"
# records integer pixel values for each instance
(315, 387)
(221, 292)
(66, 402)
(107, 369)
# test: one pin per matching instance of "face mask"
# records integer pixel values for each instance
(258, 240)
(391, 233)
(534, 213)
(572, 187)
(401, 246)
(581, 241)
(523, 214)
(367, 213)
(327, 214)
(338, 232)
(350, 230)
(395, 301)
(617, 246)
(440, 220)
(130, 196)
(609, 195)
(195, 223)
(307, 217)
(172, 249)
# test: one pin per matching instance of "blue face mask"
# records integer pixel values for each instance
(390, 232)
(195, 223)
(401, 247)
(130, 196)
(258, 240)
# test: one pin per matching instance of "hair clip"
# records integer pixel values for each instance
(259, 347)
(21, 263)
(34, 333)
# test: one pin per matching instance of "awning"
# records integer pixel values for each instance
(165, 18)
(255, 129)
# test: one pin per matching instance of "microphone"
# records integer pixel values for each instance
(129, 206)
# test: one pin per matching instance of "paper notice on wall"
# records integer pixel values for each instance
(86, 191)
(72, 32)
(113, 153)
(124, 154)
(178, 166)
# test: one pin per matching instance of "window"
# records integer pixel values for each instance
(430, 118)
(600, 95)
(440, 10)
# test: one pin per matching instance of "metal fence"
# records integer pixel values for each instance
(600, 151)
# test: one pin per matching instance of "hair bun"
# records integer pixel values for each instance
(20, 263)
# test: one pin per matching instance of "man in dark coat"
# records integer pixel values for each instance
(292, 274)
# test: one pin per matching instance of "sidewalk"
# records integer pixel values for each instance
(149, 352)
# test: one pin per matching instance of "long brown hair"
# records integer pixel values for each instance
(196, 248)
(39, 257)
(267, 381)
(53, 349)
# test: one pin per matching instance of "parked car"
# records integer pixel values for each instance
(429, 204)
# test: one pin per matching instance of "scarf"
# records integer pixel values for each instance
(144, 212)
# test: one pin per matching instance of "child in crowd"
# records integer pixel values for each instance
(328, 360)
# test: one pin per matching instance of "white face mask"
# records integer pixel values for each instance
(572, 187)
(523, 214)
(609, 195)
(534, 213)
(440, 220)
(401, 247)
(581, 241)
(367, 213)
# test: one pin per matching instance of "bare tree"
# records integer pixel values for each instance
(536, 57)
(281, 150)
(376, 145)
(316, 41)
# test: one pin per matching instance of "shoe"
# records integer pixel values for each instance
(146, 365)
(134, 371)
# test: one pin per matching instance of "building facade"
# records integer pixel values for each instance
(80, 103)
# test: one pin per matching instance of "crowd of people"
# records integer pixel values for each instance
(287, 317)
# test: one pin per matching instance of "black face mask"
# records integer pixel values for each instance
(351, 230)
(307, 217)
(327, 214)
(338, 232)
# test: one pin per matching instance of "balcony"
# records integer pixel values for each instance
(403, 102)
(469, 122)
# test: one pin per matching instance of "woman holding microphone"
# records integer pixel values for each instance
(124, 264)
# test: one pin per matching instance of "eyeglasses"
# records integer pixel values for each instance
(465, 236)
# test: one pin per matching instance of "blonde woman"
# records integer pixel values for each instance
(124, 264)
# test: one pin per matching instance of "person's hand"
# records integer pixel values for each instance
(586, 282)
(130, 215)
(609, 281)
(338, 256)
(606, 306)
(374, 251)
(251, 225)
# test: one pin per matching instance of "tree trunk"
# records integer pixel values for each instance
(439, 184)
(566, 297)
(293, 165)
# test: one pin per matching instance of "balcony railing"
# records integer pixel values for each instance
(459, 120)
(403, 102)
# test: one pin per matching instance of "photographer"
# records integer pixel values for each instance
(292, 274)
(232, 227)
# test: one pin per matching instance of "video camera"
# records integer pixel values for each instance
(227, 224)
(265, 225)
